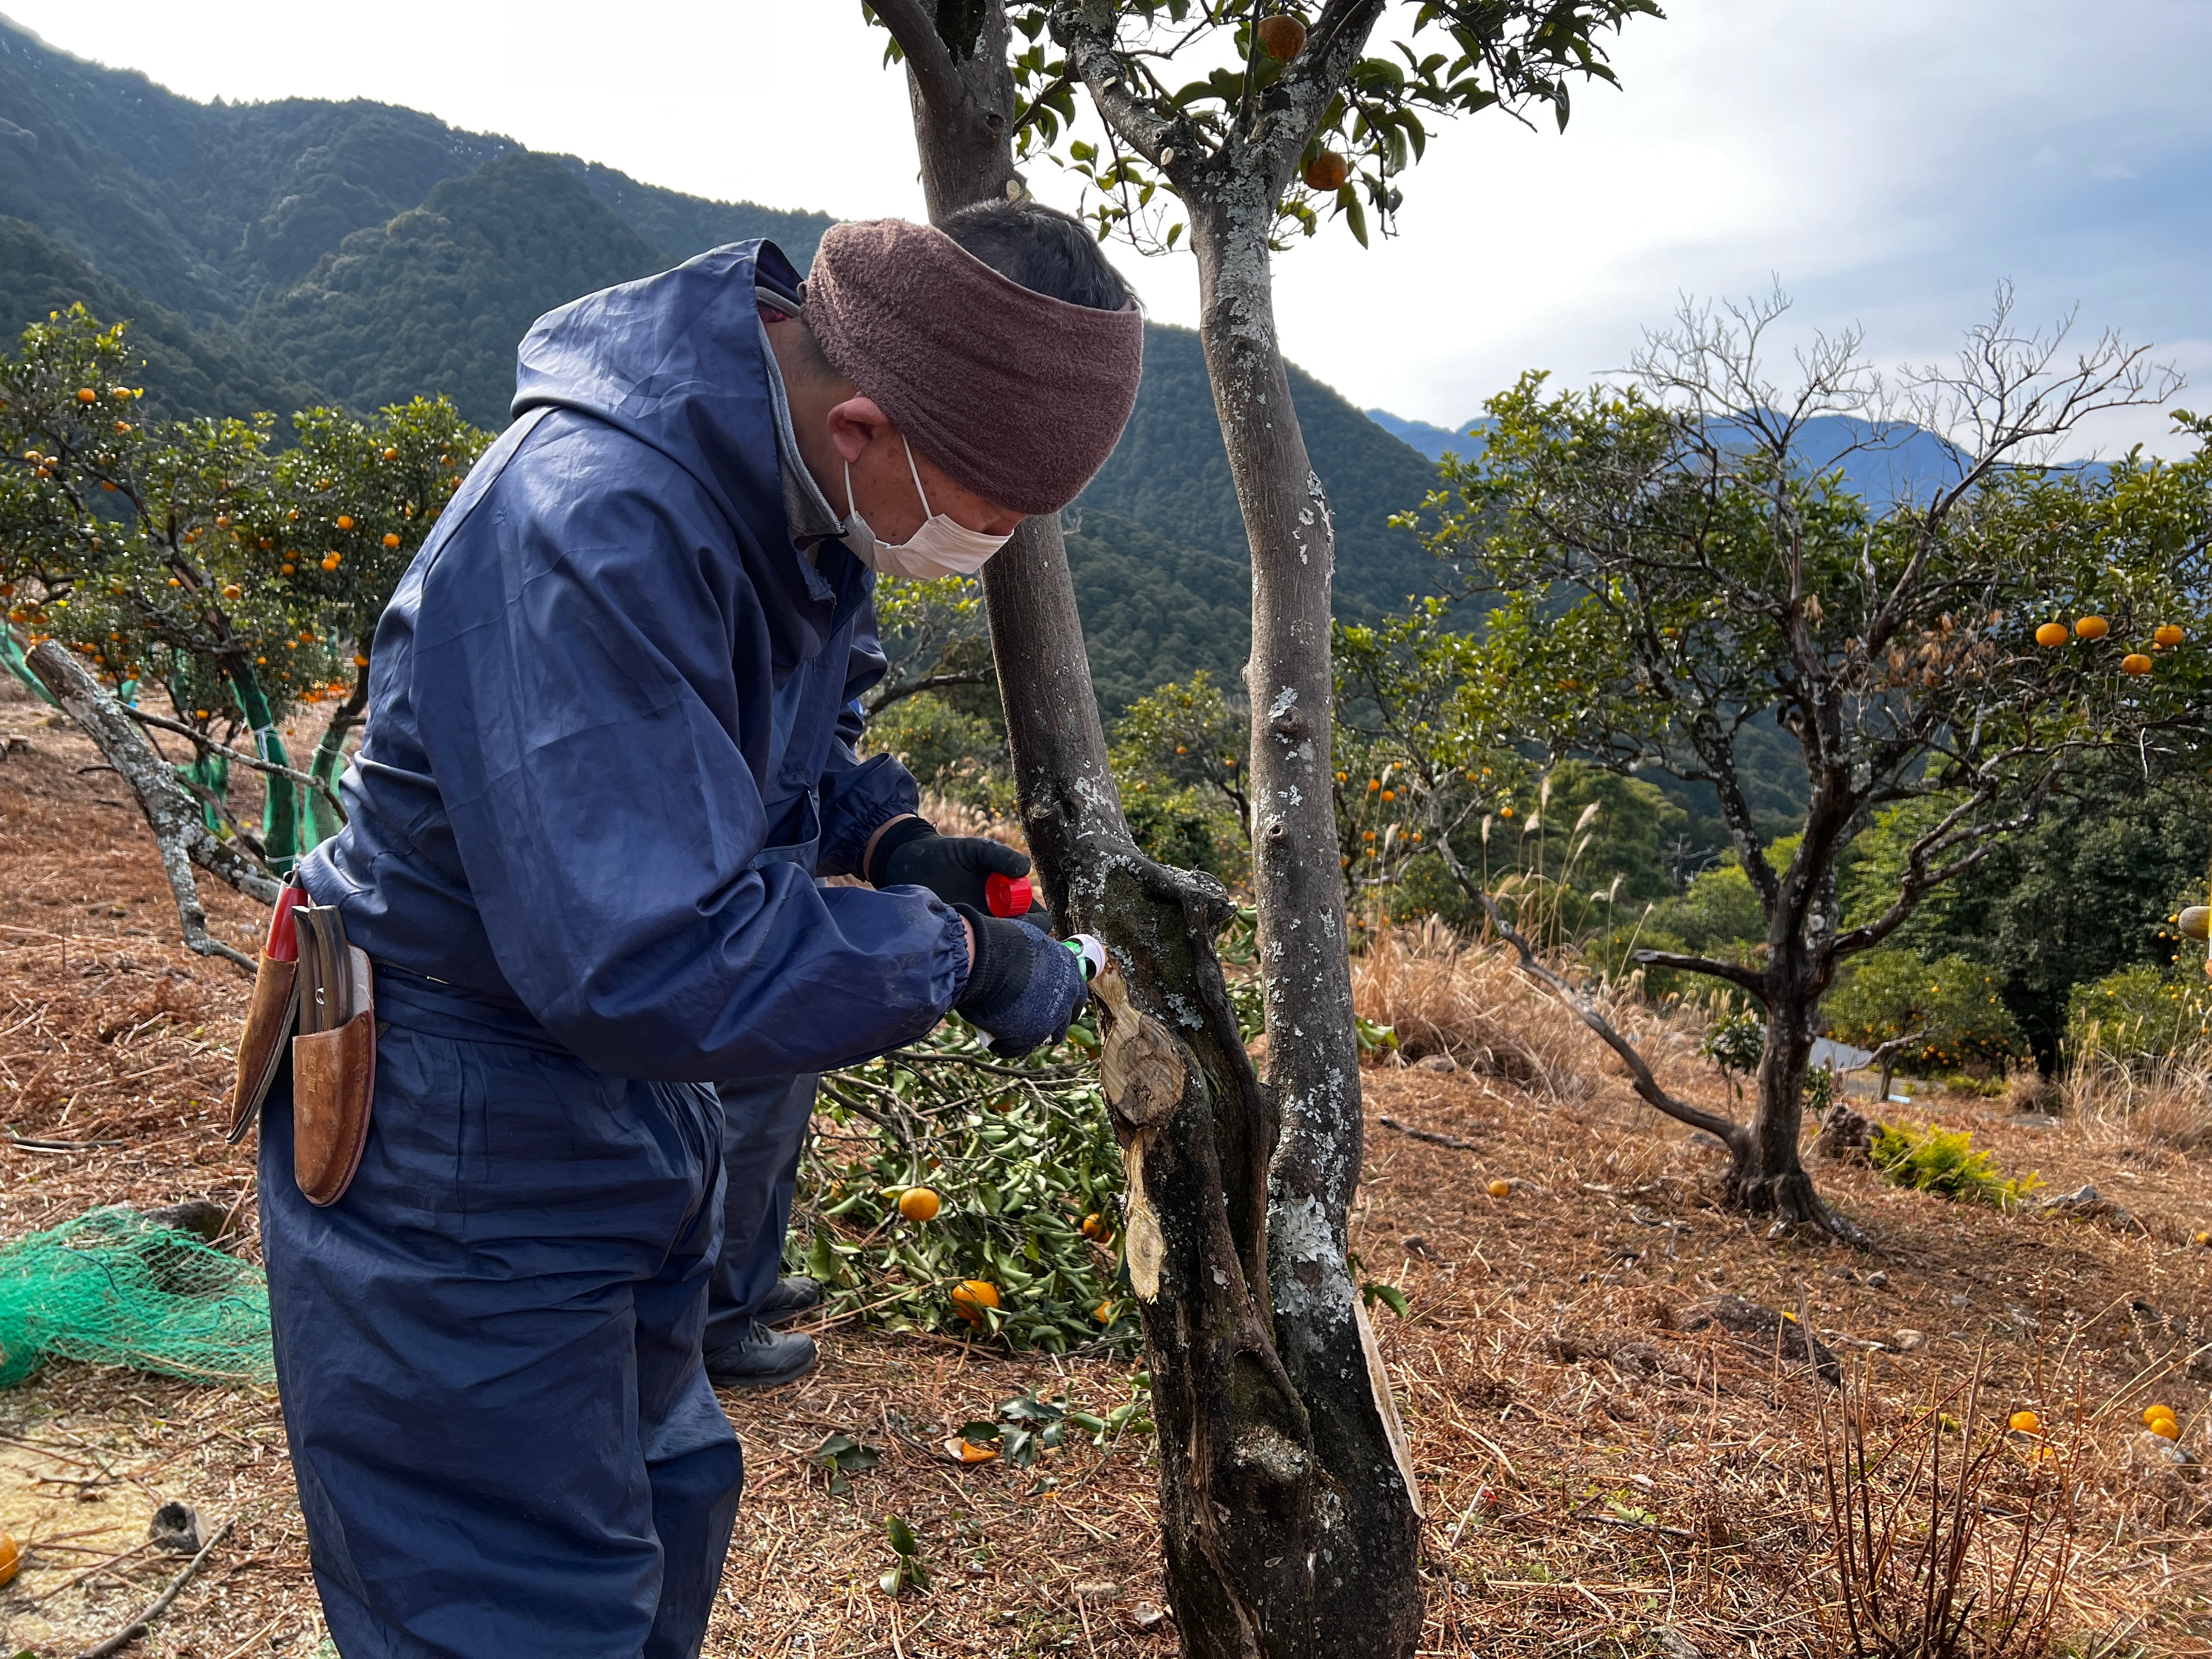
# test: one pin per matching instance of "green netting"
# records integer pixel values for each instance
(116, 1289)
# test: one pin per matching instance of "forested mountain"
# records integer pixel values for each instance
(273, 255)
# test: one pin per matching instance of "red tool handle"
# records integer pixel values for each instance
(284, 944)
(1008, 896)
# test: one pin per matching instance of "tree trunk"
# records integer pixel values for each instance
(1766, 1176)
(1238, 1495)
(280, 812)
(321, 812)
(1365, 1546)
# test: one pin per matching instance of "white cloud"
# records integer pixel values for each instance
(1890, 160)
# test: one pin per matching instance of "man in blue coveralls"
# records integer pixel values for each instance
(608, 751)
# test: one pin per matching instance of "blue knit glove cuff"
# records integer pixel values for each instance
(1025, 988)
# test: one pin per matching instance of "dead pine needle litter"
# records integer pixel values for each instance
(113, 1288)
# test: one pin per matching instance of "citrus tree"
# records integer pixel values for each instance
(1668, 566)
(193, 559)
(348, 505)
(1936, 1016)
(931, 632)
(1179, 753)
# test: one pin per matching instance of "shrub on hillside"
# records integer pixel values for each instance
(1944, 1015)
(1944, 1162)
(2140, 1017)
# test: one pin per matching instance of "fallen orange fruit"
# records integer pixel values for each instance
(11, 1557)
(2024, 1423)
(971, 1299)
(1104, 1312)
(919, 1204)
(1501, 1189)
(2166, 1428)
(2153, 1413)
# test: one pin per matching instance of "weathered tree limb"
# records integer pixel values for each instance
(1745, 979)
(1585, 1010)
(179, 830)
(880, 699)
(146, 717)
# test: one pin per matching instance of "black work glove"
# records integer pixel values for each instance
(954, 867)
(1025, 988)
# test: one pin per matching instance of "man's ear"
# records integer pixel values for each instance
(856, 424)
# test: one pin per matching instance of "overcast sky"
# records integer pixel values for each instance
(1889, 161)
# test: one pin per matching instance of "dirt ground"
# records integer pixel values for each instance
(1597, 1477)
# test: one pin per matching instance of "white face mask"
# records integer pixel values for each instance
(942, 547)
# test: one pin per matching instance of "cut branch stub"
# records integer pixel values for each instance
(1143, 1069)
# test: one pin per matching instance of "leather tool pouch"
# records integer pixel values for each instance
(333, 1058)
(269, 1016)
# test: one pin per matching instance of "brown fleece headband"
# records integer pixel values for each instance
(1016, 396)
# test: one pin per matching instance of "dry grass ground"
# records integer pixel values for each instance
(1597, 1479)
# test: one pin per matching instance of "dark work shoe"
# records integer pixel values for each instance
(791, 1298)
(763, 1358)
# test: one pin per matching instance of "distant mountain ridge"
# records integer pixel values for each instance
(276, 255)
(1881, 463)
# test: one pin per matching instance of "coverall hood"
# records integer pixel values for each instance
(678, 361)
(612, 710)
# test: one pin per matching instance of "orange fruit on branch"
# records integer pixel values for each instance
(2168, 636)
(972, 1298)
(1328, 171)
(2051, 633)
(390, 539)
(346, 521)
(2093, 628)
(85, 394)
(1281, 38)
(919, 1204)
(2136, 663)
(390, 454)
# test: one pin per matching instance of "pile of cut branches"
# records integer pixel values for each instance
(1022, 1241)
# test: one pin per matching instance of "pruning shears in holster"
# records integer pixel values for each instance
(310, 981)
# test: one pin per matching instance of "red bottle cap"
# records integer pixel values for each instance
(1008, 896)
(284, 945)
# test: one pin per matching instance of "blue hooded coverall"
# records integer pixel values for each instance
(603, 764)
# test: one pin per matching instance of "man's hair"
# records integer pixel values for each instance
(1046, 251)
(810, 365)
